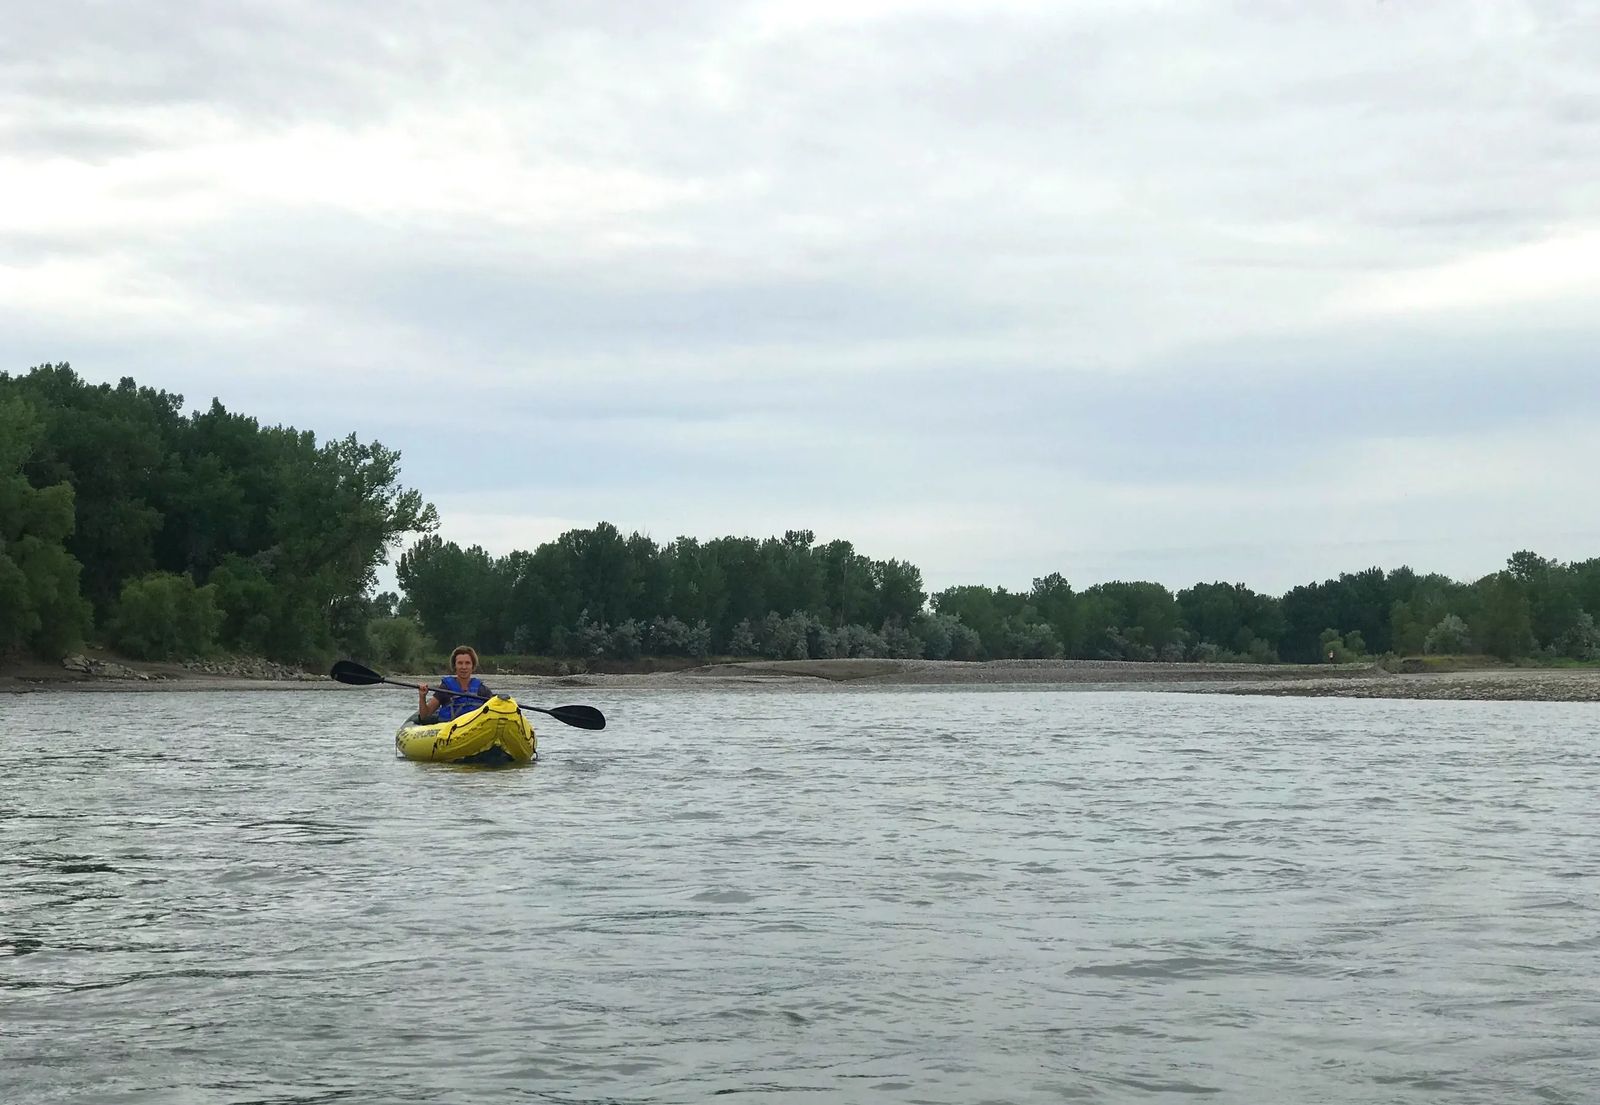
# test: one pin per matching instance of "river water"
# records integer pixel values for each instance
(920, 895)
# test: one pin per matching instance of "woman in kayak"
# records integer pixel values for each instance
(445, 704)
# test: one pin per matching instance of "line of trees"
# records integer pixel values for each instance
(125, 521)
(595, 593)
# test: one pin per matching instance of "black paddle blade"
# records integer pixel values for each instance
(348, 671)
(584, 717)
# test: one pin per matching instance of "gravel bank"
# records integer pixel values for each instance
(1344, 681)
(1316, 680)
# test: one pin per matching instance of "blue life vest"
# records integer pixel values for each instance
(455, 707)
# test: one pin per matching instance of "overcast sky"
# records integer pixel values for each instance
(1256, 291)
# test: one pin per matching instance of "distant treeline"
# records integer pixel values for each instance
(595, 593)
(163, 534)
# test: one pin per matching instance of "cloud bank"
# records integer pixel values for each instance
(1176, 291)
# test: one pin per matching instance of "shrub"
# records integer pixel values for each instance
(1448, 638)
(900, 643)
(625, 641)
(398, 644)
(1260, 652)
(1581, 641)
(1344, 650)
(859, 641)
(742, 641)
(1031, 640)
(162, 616)
(245, 597)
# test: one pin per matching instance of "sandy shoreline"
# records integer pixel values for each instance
(1345, 681)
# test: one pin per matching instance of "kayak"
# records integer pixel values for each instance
(494, 733)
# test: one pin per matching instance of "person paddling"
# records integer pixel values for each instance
(443, 702)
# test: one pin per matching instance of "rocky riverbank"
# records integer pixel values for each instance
(1317, 680)
(1500, 684)
(89, 672)
(85, 670)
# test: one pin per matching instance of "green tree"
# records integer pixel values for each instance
(1554, 599)
(1421, 602)
(848, 584)
(1585, 576)
(114, 447)
(1056, 603)
(1503, 620)
(247, 602)
(650, 583)
(544, 594)
(982, 610)
(1232, 617)
(1362, 602)
(338, 511)
(604, 571)
(1581, 641)
(792, 572)
(222, 488)
(899, 595)
(697, 588)
(946, 637)
(41, 610)
(459, 596)
(1131, 621)
(1025, 636)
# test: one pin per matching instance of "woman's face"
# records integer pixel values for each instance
(464, 665)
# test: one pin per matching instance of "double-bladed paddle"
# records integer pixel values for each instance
(584, 717)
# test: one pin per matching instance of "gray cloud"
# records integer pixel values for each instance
(1003, 288)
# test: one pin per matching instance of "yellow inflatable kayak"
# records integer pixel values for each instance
(494, 733)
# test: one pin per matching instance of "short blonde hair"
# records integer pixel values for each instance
(469, 650)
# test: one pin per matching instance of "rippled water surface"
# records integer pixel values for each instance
(833, 896)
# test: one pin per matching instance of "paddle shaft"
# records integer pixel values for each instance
(474, 697)
(582, 717)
